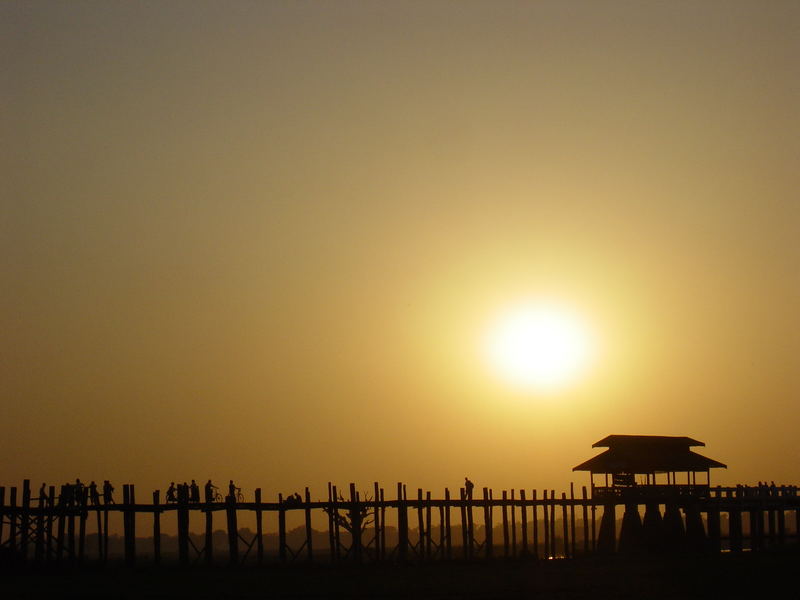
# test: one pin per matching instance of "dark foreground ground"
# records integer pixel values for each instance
(761, 575)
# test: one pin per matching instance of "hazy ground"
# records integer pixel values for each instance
(675, 578)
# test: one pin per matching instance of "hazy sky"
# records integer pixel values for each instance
(264, 240)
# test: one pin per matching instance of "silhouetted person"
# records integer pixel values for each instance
(232, 489)
(209, 491)
(194, 492)
(108, 492)
(183, 492)
(43, 493)
(80, 499)
(94, 496)
(171, 492)
(468, 486)
(297, 498)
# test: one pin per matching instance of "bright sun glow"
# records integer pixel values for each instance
(541, 347)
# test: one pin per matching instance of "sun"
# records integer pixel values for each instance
(538, 346)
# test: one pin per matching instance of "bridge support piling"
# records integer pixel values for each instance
(606, 542)
(630, 535)
(653, 529)
(674, 531)
(695, 532)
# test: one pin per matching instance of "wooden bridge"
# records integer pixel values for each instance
(369, 527)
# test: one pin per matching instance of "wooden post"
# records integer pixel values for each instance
(82, 532)
(383, 526)
(465, 541)
(62, 516)
(208, 544)
(546, 525)
(470, 525)
(309, 531)
(331, 536)
(376, 519)
(487, 522)
(157, 527)
(25, 518)
(402, 524)
(336, 533)
(714, 535)
(233, 529)
(585, 521)
(420, 525)
(98, 517)
(105, 533)
(572, 517)
(259, 529)
(12, 520)
(504, 512)
(448, 532)
(355, 524)
(553, 523)
(282, 554)
(513, 526)
(535, 525)
(524, 523)
(2, 512)
(183, 527)
(567, 552)
(51, 509)
(428, 533)
(781, 525)
(40, 531)
(442, 552)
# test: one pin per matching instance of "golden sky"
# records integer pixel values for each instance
(264, 241)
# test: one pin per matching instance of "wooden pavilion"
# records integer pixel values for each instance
(633, 465)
